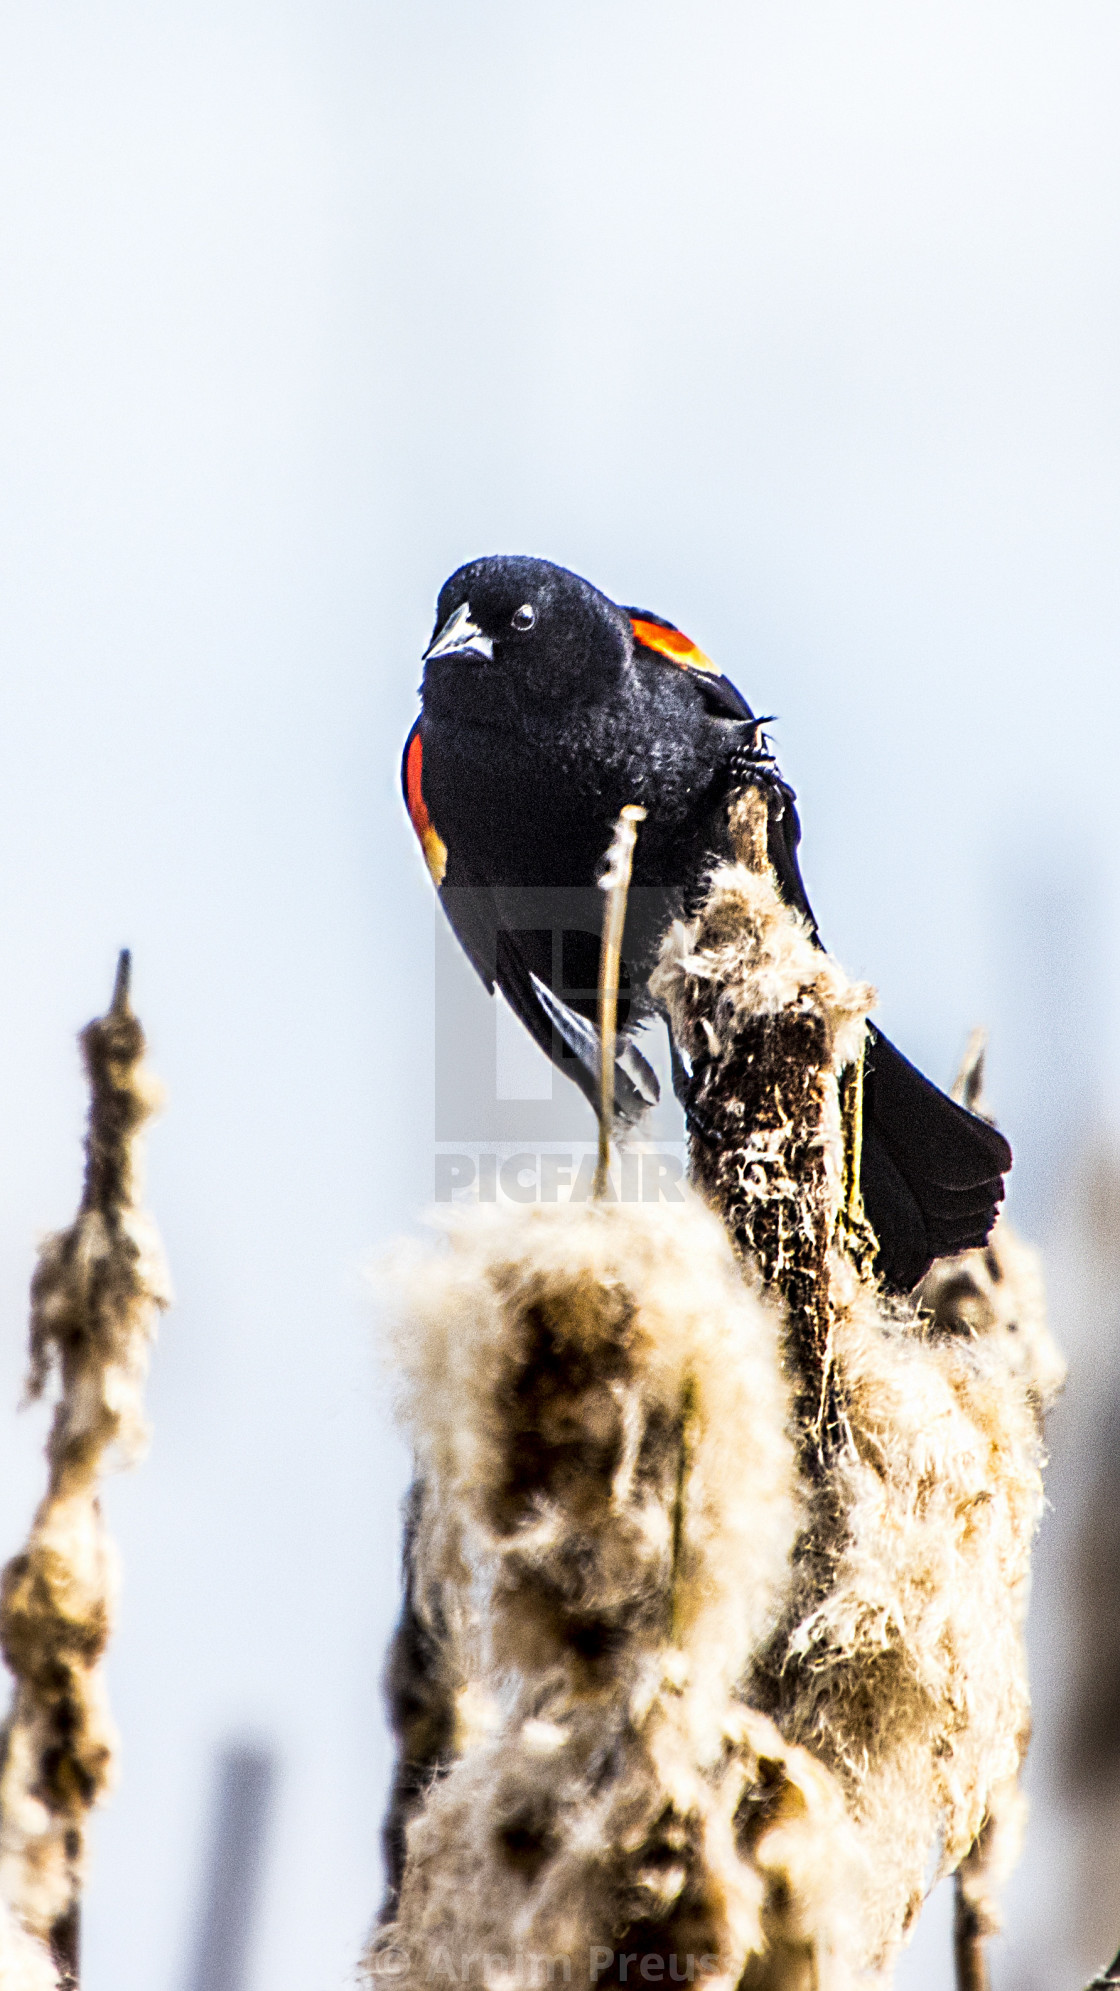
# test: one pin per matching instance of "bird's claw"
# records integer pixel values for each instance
(752, 760)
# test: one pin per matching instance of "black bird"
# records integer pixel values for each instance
(546, 708)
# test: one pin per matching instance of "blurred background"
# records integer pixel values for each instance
(794, 321)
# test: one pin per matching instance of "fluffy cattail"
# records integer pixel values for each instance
(631, 1603)
(899, 1660)
(774, 1023)
(609, 1507)
(95, 1295)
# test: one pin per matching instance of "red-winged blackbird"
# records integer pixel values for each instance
(546, 708)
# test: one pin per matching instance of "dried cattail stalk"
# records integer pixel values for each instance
(95, 1295)
(770, 1023)
(899, 1660)
(610, 1503)
(996, 1294)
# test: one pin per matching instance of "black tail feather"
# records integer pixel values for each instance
(931, 1173)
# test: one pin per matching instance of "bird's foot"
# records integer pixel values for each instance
(752, 758)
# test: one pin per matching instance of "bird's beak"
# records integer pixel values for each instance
(461, 637)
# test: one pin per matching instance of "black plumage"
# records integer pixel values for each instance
(545, 708)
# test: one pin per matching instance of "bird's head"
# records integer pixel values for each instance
(535, 631)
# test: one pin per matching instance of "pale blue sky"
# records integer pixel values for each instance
(795, 322)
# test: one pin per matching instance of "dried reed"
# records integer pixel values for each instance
(95, 1294)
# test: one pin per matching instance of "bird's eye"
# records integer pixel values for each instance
(524, 617)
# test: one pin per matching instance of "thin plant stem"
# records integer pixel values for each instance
(615, 883)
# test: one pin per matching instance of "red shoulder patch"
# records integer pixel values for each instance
(671, 643)
(412, 771)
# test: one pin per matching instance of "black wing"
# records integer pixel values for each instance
(511, 947)
(723, 699)
(508, 939)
